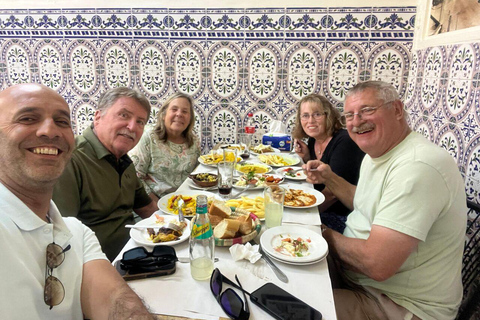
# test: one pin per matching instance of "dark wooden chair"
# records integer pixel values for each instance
(470, 307)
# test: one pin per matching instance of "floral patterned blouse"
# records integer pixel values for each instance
(163, 166)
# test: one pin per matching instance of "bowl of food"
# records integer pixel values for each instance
(204, 180)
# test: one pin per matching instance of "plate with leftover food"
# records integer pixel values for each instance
(246, 167)
(289, 173)
(294, 244)
(278, 159)
(213, 158)
(262, 148)
(160, 235)
(259, 181)
(297, 196)
(168, 203)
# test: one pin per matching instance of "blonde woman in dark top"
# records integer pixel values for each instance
(320, 124)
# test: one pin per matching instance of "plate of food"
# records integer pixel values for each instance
(204, 179)
(232, 226)
(297, 196)
(259, 181)
(159, 234)
(278, 159)
(231, 147)
(251, 205)
(213, 158)
(294, 244)
(262, 148)
(168, 203)
(246, 167)
(291, 173)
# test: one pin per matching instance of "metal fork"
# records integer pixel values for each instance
(279, 273)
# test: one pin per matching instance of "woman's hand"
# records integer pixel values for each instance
(301, 149)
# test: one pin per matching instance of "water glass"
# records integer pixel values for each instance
(225, 178)
(274, 197)
(245, 141)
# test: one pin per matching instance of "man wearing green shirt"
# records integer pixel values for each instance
(401, 252)
(100, 186)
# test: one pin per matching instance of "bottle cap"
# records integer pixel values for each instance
(250, 114)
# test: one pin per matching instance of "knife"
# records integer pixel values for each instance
(280, 275)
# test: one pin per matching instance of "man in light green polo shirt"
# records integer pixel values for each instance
(100, 186)
(401, 252)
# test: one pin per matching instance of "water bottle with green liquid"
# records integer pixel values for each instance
(202, 243)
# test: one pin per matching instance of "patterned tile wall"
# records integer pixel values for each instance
(232, 61)
(442, 98)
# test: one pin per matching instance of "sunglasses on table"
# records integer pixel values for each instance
(229, 300)
(139, 260)
(54, 292)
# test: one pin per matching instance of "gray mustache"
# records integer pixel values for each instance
(125, 132)
(366, 126)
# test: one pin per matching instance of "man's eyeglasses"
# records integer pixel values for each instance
(139, 260)
(315, 116)
(367, 111)
(229, 300)
(54, 292)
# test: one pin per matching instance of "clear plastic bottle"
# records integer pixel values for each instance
(250, 126)
(202, 243)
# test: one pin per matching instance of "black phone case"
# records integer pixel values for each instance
(127, 276)
(271, 297)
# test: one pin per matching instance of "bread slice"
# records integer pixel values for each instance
(226, 229)
(245, 224)
(214, 220)
(218, 208)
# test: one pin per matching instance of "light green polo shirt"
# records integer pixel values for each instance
(92, 190)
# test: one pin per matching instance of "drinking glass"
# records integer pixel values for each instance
(245, 141)
(225, 178)
(274, 197)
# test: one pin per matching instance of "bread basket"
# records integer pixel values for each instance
(243, 239)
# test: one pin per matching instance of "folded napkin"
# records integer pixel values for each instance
(246, 251)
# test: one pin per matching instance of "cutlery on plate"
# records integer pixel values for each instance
(279, 273)
(297, 170)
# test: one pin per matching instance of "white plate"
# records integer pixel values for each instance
(235, 180)
(214, 165)
(271, 239)
(300, 175)
(267, 167)
(291, 159)
(163, 202)
(275, 150)
(298, 263)
(320, 197)
(141, 236)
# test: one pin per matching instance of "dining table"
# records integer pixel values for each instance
(179, 296)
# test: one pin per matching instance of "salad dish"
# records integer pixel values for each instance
(294, 244)
(289, 173)
(258, 181)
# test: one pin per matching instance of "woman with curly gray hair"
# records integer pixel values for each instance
(166, 155)
(327, 140)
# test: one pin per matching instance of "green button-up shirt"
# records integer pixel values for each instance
(103, 198)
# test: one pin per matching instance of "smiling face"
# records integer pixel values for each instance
(177, 117)
(313, 128)
(36, 138)
(378, 133)
(120, 127)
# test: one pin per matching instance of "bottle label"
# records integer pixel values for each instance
(249, 129)
(202, 231)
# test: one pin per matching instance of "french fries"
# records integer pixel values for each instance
(273, 159)
(216, 157)
(254, 206)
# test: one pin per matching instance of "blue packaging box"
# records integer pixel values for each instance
(278, 140)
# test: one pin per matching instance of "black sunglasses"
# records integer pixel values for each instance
(139, 260)
(54, 292)
(229, 300)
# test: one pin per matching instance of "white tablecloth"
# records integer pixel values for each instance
(180, 295)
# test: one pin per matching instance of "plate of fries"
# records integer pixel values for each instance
(253, 205)
(213, 158)
(278, 160)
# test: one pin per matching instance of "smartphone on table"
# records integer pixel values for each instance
(282, 305)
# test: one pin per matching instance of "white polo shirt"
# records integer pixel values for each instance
(24, 238)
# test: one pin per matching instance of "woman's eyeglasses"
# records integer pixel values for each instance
(139, 260)
(54, 292)
(315, 116)
(229, 300)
